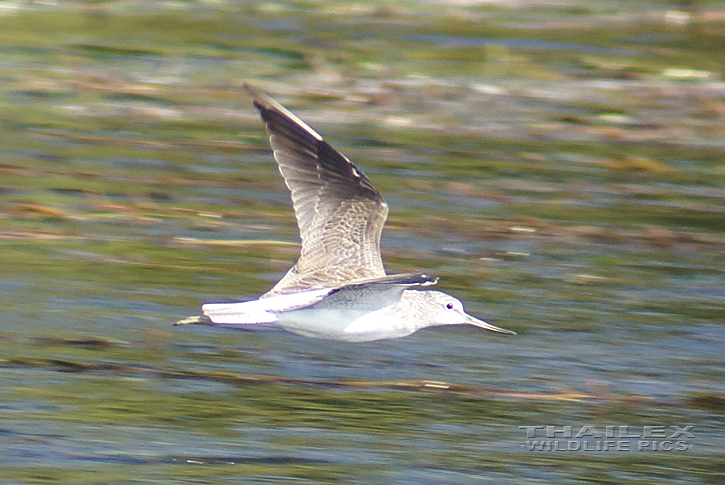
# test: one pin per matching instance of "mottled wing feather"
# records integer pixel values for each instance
(339, 213)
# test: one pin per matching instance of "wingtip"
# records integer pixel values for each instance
(260, 98)
(254, 91)
(264, 103)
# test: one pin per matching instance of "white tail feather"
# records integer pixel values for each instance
(260, 311)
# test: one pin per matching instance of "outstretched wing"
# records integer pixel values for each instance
(373, 293)
(339, 213)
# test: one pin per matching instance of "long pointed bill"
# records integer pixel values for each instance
(487, 326)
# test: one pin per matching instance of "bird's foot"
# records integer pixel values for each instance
(195, 320)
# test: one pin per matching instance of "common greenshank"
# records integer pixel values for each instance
(338, 288)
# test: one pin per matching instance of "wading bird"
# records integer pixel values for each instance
(338, 288)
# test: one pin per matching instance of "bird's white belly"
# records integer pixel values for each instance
(347, 325)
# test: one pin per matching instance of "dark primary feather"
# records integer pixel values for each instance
(373, 293)
(339, 213)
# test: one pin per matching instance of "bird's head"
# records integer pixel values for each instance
(439, 308)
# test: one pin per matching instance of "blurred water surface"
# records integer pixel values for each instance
(557, 164)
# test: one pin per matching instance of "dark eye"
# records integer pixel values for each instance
(449, 306)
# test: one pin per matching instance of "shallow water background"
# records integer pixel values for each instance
(558, 164)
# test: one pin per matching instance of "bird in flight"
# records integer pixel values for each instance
(338, 288)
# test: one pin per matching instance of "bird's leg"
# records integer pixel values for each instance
(195, 320)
